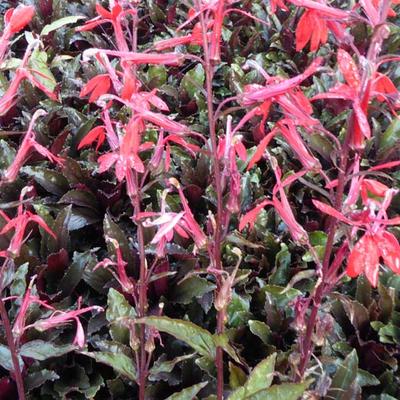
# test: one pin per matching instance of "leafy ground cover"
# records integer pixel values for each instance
(199, 199)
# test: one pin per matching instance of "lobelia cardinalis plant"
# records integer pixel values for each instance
(360, 88)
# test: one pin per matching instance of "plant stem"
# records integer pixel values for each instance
(143, 300)
(215, 251)
(380, 33)
(11, 345)
(143, 281)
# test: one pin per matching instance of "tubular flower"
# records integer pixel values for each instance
(28, 144)
(19, 224)
(376, 243)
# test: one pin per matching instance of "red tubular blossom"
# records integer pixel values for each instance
(281, 206)
(9, 97)
(27, 301)
(97, 86)
(98, 133)
(60, 318)
(295, 141)
(28, 144)
(17, 19)
(191, 225)
(323, 8)
(19, 225)
(281, 87)
(113, 17)
(312, 28)
(215, 46)
(121, 276)
(172, 59)
(275, 4)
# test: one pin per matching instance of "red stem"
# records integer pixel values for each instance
(215, 250)
(324, 288)
(11, 345)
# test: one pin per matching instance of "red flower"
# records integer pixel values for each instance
(97, 86)
(194, 38)
(277, 4)
(19, 224)
(281, 87)
(28, 144)
(281, 206)
(351, 91)
(183, 223)
(127, 284)
(114, 17)
(173, 59)
(127, 157)
(60, 318)
(311, 28)
(9, 97)
(97, 133)
(377, 242)
(27, 301)
(16, 19)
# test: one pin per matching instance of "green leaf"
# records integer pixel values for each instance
(285, 391)
(60, 228)
(38, 378)
(238, 310)
(222, 340)
(260, 378)
(52, 181)
(161, 368)
(281, 295)
(74, 273)
(41, 350)
(118, 308)
(188, 393)
(193, 80)
(7, 155)
(198, 338)
(281, 272)
(364, 378)
(5, 359)
(113, 231)
(18, 285)
(156, 76)
(390, 138)
(260, 329)
(237, 377)
(121, 363)
(191, 287)
(344, 377)
(38, 62)
(60, 23)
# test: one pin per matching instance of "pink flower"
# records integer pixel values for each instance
(15, 20)
(377, 242)
(262, 94)
(281, 205)
(27, 301)
(60, 318)
(173, 59)
(19, 224)
(121, 276)
(97, 86)
(97, 133)
(9, 97)
(183, 223)
(114, 17)
(28, 144)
